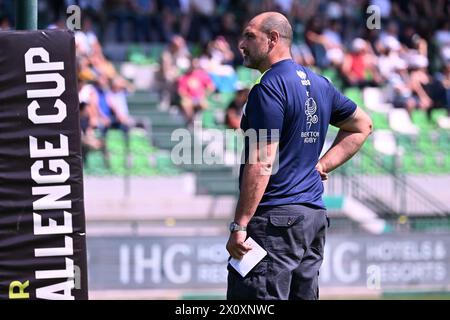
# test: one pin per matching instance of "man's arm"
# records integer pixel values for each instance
(255, 177)
(351, 136)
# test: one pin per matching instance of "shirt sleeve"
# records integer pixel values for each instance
(342, 107)
(265, 112)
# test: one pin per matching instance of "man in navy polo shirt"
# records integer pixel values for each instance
(280, 204)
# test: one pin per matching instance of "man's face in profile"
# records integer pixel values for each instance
(254, 46)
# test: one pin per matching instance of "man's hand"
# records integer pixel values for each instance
(236, 246)
(321, 170)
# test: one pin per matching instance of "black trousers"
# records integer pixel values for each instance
(294, 238)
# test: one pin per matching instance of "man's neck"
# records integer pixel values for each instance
(274, 59)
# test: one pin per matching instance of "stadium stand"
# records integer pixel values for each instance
(398, 72)
(407, 58)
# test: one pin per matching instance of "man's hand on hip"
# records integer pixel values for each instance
(322, 172)
(236, 246)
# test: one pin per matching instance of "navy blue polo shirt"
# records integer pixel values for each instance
(301, 105)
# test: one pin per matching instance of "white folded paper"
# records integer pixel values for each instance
(250, 259)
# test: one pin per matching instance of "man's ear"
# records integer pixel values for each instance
(273, 38)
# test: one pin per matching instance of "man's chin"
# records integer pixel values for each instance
(248, 64)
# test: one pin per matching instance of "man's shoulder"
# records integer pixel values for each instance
(294, 71)
(316, 76)
(271, 78)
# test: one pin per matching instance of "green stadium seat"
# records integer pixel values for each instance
(446, 166)
(368, 167)
(142, 101)
(136, 54)
(354, 94)
(388, 162)
(408, 163)
(438, 113)
(444, 140)
(406, 142)
(220, 100)
(116, 52)
(95, 164)
(143, 158)
(429, 164)
(424, 143)
(379, 120)
(420, 119)
(155, 51)
(164, 164)
(208, 119)
(246, 76)
(332, 75)
(419, 166)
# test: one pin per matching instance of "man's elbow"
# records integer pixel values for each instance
(368, 128)
(261, 168)
(265, 168)
(365, 124)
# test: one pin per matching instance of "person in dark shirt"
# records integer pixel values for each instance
(280, 205)
(234, 110)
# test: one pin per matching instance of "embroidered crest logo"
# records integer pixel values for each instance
(310, 110)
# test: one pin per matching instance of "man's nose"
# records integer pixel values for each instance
(241, 44)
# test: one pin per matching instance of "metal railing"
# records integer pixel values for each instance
(388, 191)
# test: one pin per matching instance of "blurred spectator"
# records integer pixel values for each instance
(231, 31)
(121, 11)
(117, 97)
(333, 43)
(220, 50)
(430, 90)
(283, 6)
(384, 6)
(55, 9)
(234, 111)
(113, 116)
(389, 37)
(148, 25)
(442, 35)
(193, 88)
(216, 61)
(316, 41)
(302, 11)
(175, 17)
(444, 79)
(446, 84)
(58, 24)
(7, 10)
(89, 141)
(302, 55)
(334, 10)
(442, 38)
(86, 40)
(389, 60)
(4, 23)
(175, 59)
(203, 26)
(110, 114)
(88, 115)
(421, 83)
(400, 81)
(404, 56)
(359, 67)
